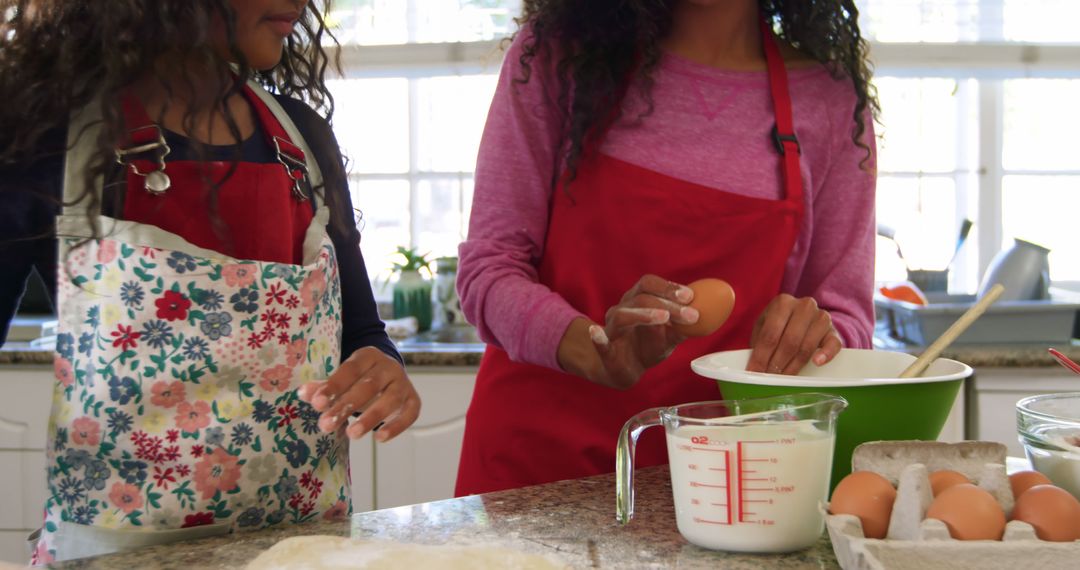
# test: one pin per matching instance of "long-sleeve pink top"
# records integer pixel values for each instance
(705, 128)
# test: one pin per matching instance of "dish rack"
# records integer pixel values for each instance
(1036, 322)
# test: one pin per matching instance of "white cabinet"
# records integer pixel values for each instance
(24, 415)
(362, 470)
(993, 393)
(420, 465)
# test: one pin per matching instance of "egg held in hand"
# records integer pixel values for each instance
(868, 496)
(970, 513)
(714, 299)
(1053, 512)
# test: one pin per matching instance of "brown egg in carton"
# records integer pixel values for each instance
(917, 543)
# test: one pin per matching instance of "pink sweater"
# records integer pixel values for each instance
(706, 128)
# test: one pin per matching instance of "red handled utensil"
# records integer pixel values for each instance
(1065, 361)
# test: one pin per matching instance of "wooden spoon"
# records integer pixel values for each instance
(956, 329)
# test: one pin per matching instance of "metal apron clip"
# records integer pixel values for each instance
(292, 158)
(156, 182)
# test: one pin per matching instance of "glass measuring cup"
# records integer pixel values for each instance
(746, 475)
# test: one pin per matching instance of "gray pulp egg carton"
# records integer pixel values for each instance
(917, 543)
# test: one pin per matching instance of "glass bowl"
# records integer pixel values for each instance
(1049, 429)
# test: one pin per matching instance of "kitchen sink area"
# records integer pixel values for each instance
(447, 338)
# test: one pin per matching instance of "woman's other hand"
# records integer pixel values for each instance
(370, 383)
(789, 333)
(637, 334)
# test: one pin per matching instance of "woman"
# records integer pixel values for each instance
(633, 147)
(208, 266)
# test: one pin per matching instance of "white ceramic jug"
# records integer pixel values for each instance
(1024, 270)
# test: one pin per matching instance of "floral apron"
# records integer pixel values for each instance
(175, 414)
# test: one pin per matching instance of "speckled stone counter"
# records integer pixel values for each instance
(1003, 356)
(992, 355)
(571, 520)
(422, 355)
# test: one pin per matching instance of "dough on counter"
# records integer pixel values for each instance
(320, 552)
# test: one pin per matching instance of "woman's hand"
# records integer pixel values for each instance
(789, 333)
(637, 334)
(370, 382)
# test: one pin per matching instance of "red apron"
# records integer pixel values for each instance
(255, 201)
(529, 424)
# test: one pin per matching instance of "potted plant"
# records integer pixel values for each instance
(412, 292)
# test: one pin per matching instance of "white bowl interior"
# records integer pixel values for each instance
(849, 367)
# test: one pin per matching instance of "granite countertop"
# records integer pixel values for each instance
(438, 354)
(419, 354)
(572, 520)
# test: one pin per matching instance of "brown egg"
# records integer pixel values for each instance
(1053, 511)
(945, 478)
(868, 496)
(714, 299)
(969, 512)
(1023, 480)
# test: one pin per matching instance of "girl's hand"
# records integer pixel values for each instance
(789, 333)
(637, 334)
(370, 382)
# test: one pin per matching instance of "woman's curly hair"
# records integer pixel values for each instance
(603, 42)
(58, 56)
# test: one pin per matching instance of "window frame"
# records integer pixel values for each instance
(990, 63)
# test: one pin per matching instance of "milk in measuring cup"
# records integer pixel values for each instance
(750, 487)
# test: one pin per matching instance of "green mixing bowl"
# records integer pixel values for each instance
(880, 405)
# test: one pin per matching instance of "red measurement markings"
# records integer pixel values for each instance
(707, 521)
(743, 460)
(727, 476)
(739, 461)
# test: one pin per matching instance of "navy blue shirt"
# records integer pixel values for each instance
(30, 195)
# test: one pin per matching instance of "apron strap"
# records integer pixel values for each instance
(783, 133)
(83, 128)
(147, 149)
(290, 144)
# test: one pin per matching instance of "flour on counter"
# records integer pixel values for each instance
(322, 552)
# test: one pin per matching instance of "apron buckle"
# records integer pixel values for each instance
(779, 140)
(292, 158)
(146, 140)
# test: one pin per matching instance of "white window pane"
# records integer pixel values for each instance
(371, 122)
(464, 20)
(384, 221)
(467, 186)
(1041, 124)
(369, 22)
(919, 122)
(922, 210)
(1043, 210)
(440, 217)
(918, 20)
(1044, 21)
(452, 112)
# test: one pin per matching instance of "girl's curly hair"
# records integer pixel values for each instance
(603, 42)
(57, 56)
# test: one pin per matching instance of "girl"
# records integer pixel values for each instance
(208, 265)
(635, 146)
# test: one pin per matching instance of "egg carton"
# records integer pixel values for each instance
(917, 543)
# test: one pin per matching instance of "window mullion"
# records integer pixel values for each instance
(991, 140)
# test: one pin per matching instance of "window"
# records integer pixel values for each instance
(977, 123)
(409, 116)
